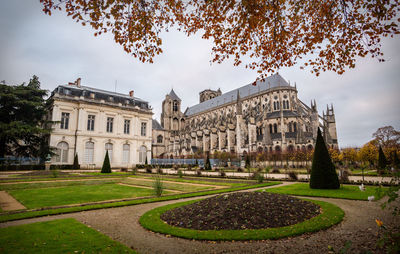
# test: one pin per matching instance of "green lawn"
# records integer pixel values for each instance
(56, 196)
(18, 186)
(168, 185)
(57, 236)
(345, 191)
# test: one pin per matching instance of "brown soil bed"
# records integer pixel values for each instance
(45, 173)
(245, 210)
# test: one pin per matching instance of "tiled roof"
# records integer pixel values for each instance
(173, 95)
(156, 125)
(286, 113)
(85, 91)
(275, 80)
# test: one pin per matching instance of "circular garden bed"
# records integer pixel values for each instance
(242, 216)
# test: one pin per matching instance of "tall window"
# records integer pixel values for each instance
(142, 154)
(62, 152)
(159, 139)
(295, 127)
(89, 152)
(109, 149)
(270, 128)
(175, 106)
(64, 120)
(127, 124)
(110, 121)
(125, 153)
(290, 127)
(90, 123)
(143, 129)
(275, 128)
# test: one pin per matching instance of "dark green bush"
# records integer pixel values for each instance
(106, 164)
(76, 162)
(323, 173)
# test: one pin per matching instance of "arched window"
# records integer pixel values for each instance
(182, 124)
(295, 127)
(109, 148)
(270, 128)
(126, 148)
(309, 147)
(142, 154)
(277, 105)
(159, 139)
(175, 106)
(275, 128)
(290, 127)
(62, 152)
(277, 149)
(89, 152)
(175, 124)
(290, 149)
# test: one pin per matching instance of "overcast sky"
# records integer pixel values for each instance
(58, 51)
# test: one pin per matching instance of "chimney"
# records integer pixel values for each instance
(78, 82)
(131, 93)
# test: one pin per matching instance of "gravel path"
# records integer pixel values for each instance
(122, 224)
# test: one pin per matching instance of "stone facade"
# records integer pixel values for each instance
(263, 116)
(92, 121)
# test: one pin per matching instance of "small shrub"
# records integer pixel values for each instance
(148, 170)
(198, 172)
(55, 173)
(222, 173)
(267, 169)
(276, 171)
(176, 167)
(180, 174)
(159, 170)
(344, 177)
(240, 169)
(189, 167)
(293, 176)
(259, 170)
(260, 178)
(158, 186)
(134, 170)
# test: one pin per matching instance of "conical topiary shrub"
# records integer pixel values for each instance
(382, 162)
(207, 165)
(76, 162)
(323, 173)
(106, 164)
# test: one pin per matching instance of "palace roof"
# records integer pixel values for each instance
(273, 81)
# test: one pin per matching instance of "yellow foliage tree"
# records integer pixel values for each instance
(369, 153)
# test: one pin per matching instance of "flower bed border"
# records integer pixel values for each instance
(331, 215)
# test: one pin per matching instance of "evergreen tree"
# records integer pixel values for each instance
(76, 162)
(247, 162)
(207, 165)
(382, 162)
(323, 173)
(106, 164)
(396, 160)
(145, 162)
(23, 130)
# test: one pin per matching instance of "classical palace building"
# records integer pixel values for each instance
(91, 121)
(263, 116)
